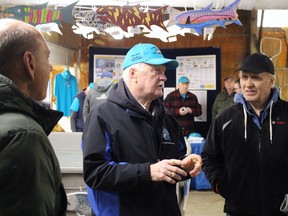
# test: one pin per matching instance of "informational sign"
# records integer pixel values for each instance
(167, 90)
(200, 69)
(202, 99)
(109, 63)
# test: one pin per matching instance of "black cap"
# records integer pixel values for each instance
(257, 63)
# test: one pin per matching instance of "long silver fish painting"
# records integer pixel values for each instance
(200, 19)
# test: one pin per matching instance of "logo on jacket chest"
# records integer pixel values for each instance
(278, 121)
(166, 139)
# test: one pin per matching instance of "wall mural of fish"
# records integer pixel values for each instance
(200, 19)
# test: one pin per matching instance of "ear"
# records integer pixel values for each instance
(272, 81)
(29, 62)
(133, 74)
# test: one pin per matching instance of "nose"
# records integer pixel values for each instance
(249, 81)
(163, 77)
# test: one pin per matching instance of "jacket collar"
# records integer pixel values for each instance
(13, 100)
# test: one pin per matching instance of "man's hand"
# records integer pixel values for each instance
(189, 110)
(192, 164)
(183, 111)
(167, 170)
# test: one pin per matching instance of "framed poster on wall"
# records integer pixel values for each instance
(200, 69)
(111, 63)
(105, 59)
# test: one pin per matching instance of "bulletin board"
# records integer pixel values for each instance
(200, 70)
(111, 63)
(197, 56)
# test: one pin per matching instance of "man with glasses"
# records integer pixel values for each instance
(134, 150)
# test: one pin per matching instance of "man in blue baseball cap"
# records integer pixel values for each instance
(184, 106)
(134, 151)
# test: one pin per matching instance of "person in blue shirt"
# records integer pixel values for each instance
(76, 110)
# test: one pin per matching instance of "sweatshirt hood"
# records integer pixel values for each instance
(13, 100)
(103, 85)
(247, 110)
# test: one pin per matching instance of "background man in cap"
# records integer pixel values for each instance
(134, 151)
(98, 93)
(245, 154)
(184, 106)
(224, 98)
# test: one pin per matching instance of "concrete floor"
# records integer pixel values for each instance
(204, 203)
(200, 203)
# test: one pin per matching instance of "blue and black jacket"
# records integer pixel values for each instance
(121, 140)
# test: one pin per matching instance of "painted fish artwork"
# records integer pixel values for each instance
(89, 18)
(41, 14)
(131, 16)
(200, 19)
(207, 31)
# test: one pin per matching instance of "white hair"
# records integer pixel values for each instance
(125, 74)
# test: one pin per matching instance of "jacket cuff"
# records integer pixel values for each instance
(143, 172)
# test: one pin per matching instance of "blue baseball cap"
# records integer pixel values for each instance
(184, 79)
(149, 54)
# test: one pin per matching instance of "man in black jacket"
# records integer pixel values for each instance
(30, 177)
(245, 154)
(134, 150)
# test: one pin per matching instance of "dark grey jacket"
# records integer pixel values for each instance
(97, 95)
(30, 177)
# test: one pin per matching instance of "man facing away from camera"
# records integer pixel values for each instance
(30, 177)
(245, 154)
(134, 150)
